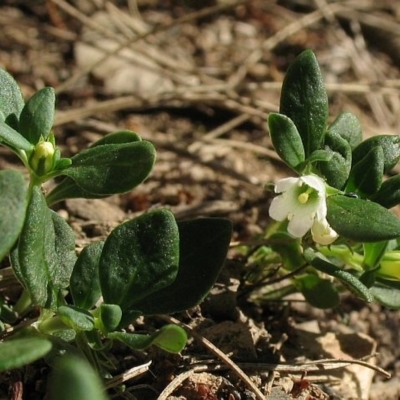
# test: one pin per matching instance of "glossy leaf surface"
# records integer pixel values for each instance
(37, 116)
(139, 257)
(45, 255)
(348, 127)
(390, 145)
(286, 139)
(304, 100)
(337, 169)
(204, 243)
(361, 220)
(85, 282)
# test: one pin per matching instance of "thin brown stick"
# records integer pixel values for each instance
(218, 353)
(157, 29)
(175, 383)
(127, 375)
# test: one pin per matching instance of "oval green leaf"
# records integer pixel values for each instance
(286, 139)
(320, 293)
(337, 169)
(76, 318)
(112, 168)
(366, 176)
(37, 116)
(304, 100)
(139, 257)
(13, 139)
(361, 220)
(171, 338)
(110, 315)
(390, 145)
(348, 127)
(19, 352)
(118, 137)
(85, 282)
(388, 194)
(73, 378)
(204, 243)
(45, 255)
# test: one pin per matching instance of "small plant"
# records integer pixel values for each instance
(334, 229)
(151, 264)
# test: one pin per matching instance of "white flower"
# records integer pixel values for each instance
(322, 233)
(303, 202)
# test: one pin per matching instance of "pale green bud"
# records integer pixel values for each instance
(390, 265)
(42, 158)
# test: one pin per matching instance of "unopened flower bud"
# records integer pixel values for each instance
(42, 158)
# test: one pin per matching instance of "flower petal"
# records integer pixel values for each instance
(315, 182)
(322, 233)
(299, 224)
(285, 184)
(280, 208)
(321, 210)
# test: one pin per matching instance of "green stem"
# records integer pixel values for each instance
(52, 325)
(345, 254)
(23, 304)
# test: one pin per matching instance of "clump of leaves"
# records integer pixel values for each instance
(333, 217)
(151, 264)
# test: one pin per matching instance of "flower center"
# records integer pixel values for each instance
(302, 198)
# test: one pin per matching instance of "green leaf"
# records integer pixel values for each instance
(136, 341)
(139, 257)
(76, 318)
(13, 139)
(348, 127)
(170, 338)
(13, 203)
(320, 155)
(113, 168)
(320, 293)
(305, 102)
(110, 317)
(373, 253)
(366, 176)
(37, 117)
(85, 282)
(19, 352)
(337, 169)
(45, 255)
(286, 140)
(68, 189)
(204, 243)
(73, 378)
(388, 194)
(288, 248)
(118, 137)
(361, 220)
(390, 145)
(11, 100)
(345, 277)
(386, 295)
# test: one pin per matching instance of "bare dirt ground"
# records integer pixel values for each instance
(198, 79)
